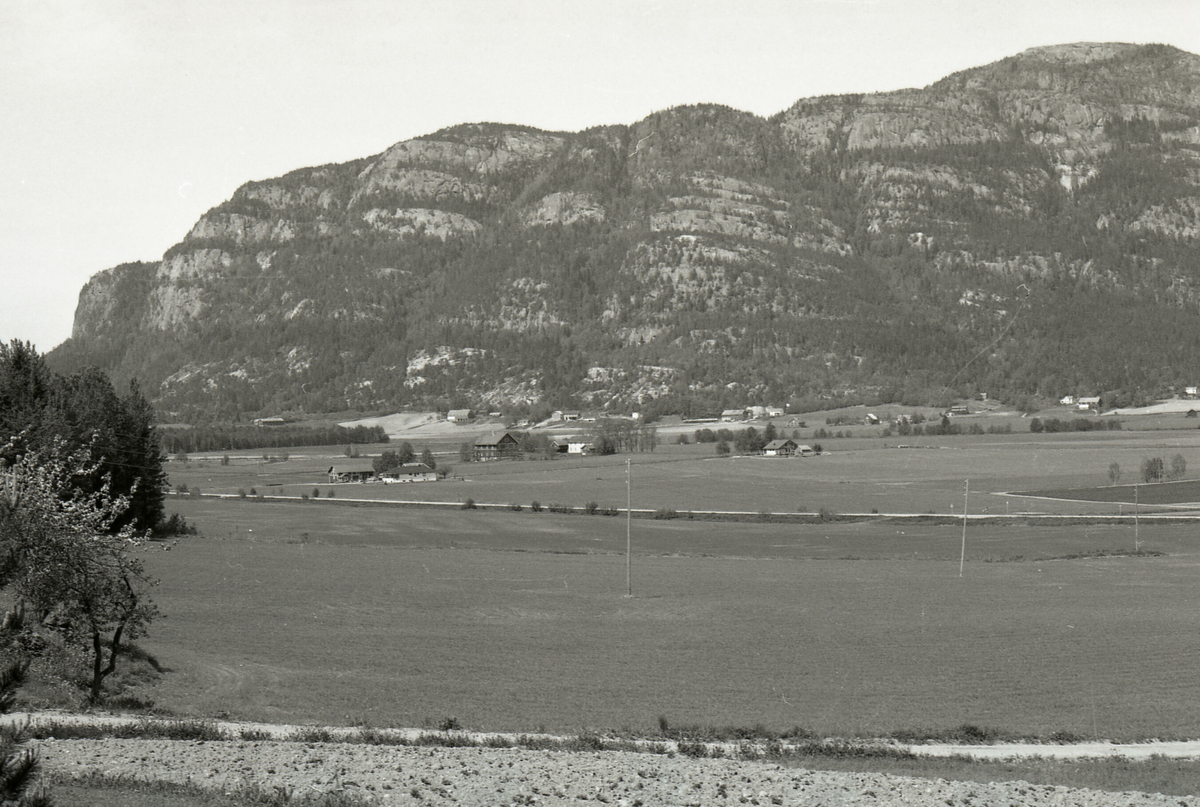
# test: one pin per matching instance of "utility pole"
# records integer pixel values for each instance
(962, 561)
(1136, 545)
(628, 538)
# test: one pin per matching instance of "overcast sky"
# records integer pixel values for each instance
(123, 121)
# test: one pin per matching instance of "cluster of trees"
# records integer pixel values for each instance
(620, 435)
(1155, 469)
(41, 410)
(403, 455)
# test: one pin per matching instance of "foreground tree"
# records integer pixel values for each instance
(69, 565)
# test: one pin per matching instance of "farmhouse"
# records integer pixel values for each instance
(271, 421)
(731, 415)
(410, 472)
(337, 475)
(780, 448)
(1092, 402)
(806, 450)
(459, 415)
(496, 447)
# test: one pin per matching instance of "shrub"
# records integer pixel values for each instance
(254, 491)
(469, 504)
(515, 507)
(241, 493)
(826, 514)
(590, 508)
(174, 525)
(316, 494)
(665, 512)
(683, 440)
(304, 496)
(195, 493)
(181, 489)
(535, 506)
(329, 494)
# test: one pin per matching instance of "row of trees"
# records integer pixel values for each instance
(244, 438)
(1153, 469)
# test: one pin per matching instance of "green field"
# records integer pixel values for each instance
(319, 612)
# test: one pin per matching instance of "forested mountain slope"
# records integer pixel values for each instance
(1024, 228)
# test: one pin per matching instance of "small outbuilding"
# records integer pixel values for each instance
(459, 415)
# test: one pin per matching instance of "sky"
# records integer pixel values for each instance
(123, 121)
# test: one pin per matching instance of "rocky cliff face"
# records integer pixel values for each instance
(862, 245)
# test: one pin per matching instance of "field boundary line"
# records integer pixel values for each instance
(937, 519)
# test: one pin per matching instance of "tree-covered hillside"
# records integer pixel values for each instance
(1026, 228)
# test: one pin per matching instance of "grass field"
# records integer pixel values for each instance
(518, 621)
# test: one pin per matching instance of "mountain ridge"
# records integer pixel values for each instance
(850, 247)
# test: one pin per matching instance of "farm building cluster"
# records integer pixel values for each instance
(408, 472)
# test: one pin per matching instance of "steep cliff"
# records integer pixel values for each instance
(1045, 207)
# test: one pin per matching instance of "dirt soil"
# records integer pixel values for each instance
(405, 775)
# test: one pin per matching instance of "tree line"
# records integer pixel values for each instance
(239, 438)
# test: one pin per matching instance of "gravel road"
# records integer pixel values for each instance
(404, 775)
